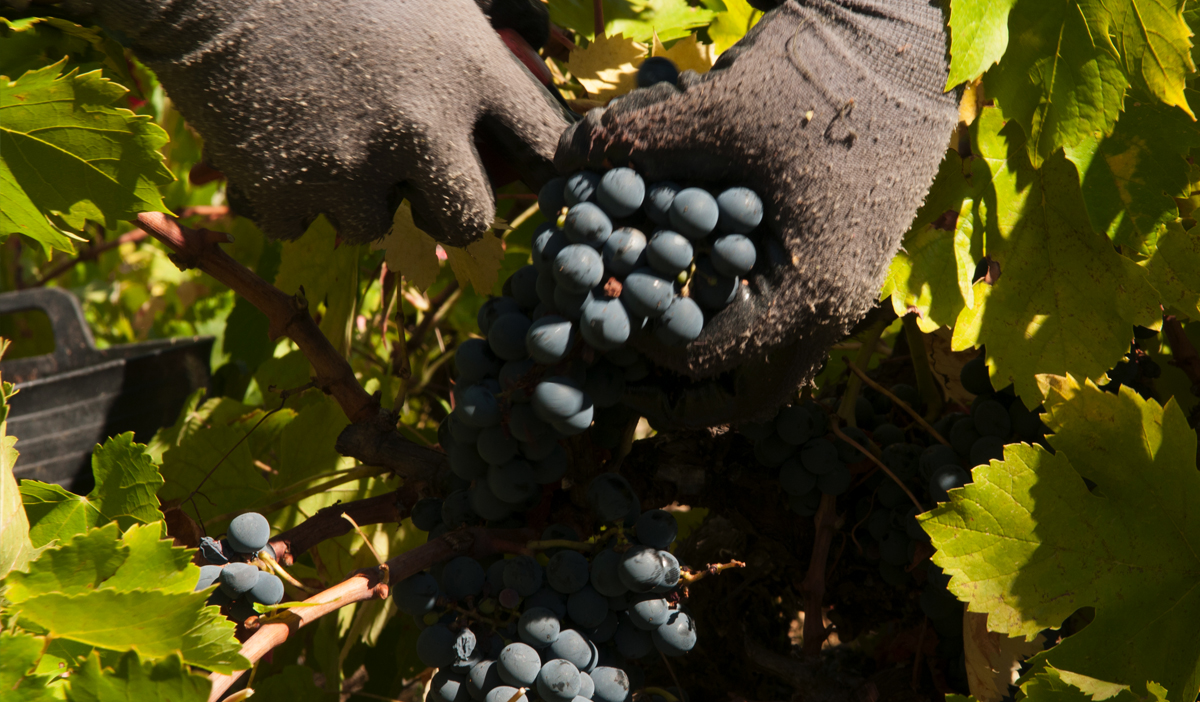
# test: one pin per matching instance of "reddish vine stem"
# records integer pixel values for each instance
(369, 584)
(287, 315)
(814, 580)
(328, 522)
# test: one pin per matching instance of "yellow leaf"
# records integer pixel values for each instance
(408, 250)
(732, 25)
(993, 660)
(687, 54)
(478, 264)
(605, 68)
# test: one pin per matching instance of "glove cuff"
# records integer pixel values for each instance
(167, 26)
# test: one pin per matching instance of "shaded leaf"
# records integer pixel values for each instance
(293, 683)
(993, 661)
(1174, 269)
(68, 153)
(1028, 544)
(478, 264)
(328, 272)
(19, 655)
(1053, 81)
(75, 567)
(131, 679)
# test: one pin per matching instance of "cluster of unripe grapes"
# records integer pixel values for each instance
(561, 625)
(240, 584)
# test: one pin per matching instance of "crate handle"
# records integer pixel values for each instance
(74, 345)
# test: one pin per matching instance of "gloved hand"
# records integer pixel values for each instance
(311, 107)
(833, 111)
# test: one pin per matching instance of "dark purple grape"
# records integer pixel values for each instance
(624, 251)
(741, 210)
(694, 213)
(657, 69)
(621, 192)
(587, 224)
(733, 254)
(647, 294)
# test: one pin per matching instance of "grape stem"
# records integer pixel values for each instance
(561, 543)
(328, 523)
(842, 435)
(687, 576)
(370, 584)
(897, 401)
(869, 340)
(920, 363)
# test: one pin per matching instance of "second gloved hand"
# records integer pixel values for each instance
(833, 111)
(313, 107)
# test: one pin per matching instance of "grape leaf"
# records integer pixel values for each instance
(1029, 544)
(408, 250)
(1048, 684)
(127, 483)
(294, 682)
(35, 42)
(19, 654)
(636, 19)
(75, 567)
(155, 624)
(1065, 300)
(1130, 177)
(67, 152)
(931, 274)
(729, 26)
(15, 545)
(478, 264)
(1174, 269)
(153, 559)
(688, 54)
(992, 660)
(328, 272)
(1150, 38)
(131, 679)
(978, 37)
(1053, 81)
(606, 67)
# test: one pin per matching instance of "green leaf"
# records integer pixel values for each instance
(1065, 300)
(127, 483)
(68, 153)
(1029, 544)
(931, 275)
(1052, 685)
(15, 545)
(72, 568)
(293, 683)
(636, 19)
(1131, 177)
(155, 624)
(153, 559)
(1174, 269)
(1150, 38)
(162, 681)
(1058, 86)
(36, 42)
(730, 26)
(328, 272)
(978, 37)
(19, 655)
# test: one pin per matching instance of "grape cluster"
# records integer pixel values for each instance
(1137, 370)
(559, 627)
(240, 583)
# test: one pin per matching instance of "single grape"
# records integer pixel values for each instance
(620, 192)
(963, 436)
(657, 69)
(558, 397)
(657, 528)
(946, 478)
(570, 305)
(794, 425)
(508, 598)
(447, 687)
(504, 693)
(974, 376)
(604, 632)
(267, 590)
(209, 574)
(659, 199)
(538, 627)
(605, 578)
(546, 287)
(935, 457)
(580, 187)
(733, 254)
(587, 607)
(475, 361)
(795, 479)
(548, 599)
(549, 339)
(646, 293)
(463, 577)
(572, 647)
(887, 434)
(479, 407)
(587, 687)
(427, 513)
(641, 569)
(820, 457)
(605, 384)
(518, 664)
(507, 336)
(577, 423)
(712, 289)
(465, 460)
(681, 324)
(416, 595)
(740, 211)
(551, 468)
(612, 685)
(523, 574)
(992, 419)
(604, 324)
(670, 253)
(512, 482)
(624, 251)
(550, 198)
(694, 213)
(649, 613)
(494, 309)
(677, 636)
(631, 641)
(987, 449)
(611, 497)
(772, 451)
(546, 245)
(436, 646)
(495, 446)
(893, 548)
(836, 481)
(558, 681)
(670, 574)
(486, 503)
(587, 225)
(237, 578)
(524, 287)
(456, 509)
(567, 571)
(249, 532)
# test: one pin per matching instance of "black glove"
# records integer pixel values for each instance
(311, 107)
(833, 111)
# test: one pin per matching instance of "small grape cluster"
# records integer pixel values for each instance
(240, 583)
(1137, 370)
(559, 627)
